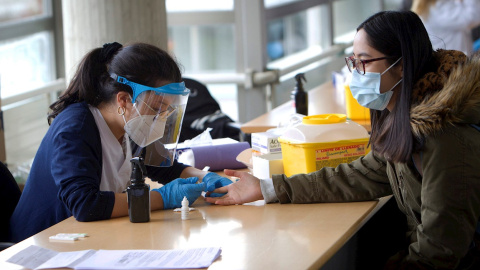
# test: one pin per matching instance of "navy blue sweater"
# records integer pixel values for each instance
(65, 176)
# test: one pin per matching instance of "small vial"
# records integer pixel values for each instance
(185, 209)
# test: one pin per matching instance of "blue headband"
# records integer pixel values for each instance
(171, 88)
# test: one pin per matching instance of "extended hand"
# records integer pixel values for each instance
(245, 190)
(173, 192)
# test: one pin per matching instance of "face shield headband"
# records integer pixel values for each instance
(154, 121)
(171, 88)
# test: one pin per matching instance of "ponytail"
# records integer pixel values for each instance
(90, 82)
(141, 63)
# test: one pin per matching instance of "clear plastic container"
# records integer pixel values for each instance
(324, 140)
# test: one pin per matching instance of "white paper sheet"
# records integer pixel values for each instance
(32, 257)
(67, 259)
(35, 257)
(151, 259)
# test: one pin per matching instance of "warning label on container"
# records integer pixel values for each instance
(331, 157)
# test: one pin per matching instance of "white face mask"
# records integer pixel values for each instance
(145, 129)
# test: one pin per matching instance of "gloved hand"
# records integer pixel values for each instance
(173, 192)
(214, 181)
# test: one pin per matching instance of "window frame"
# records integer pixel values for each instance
(249, 58)
(51, 22)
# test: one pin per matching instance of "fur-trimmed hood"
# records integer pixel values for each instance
(457, 101)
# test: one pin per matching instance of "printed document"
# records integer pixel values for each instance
(35, 257)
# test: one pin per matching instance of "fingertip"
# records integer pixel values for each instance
(193, 179)
(200, 187)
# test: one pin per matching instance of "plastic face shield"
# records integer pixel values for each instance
(155, 121)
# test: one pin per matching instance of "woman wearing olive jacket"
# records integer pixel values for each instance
(425, 145)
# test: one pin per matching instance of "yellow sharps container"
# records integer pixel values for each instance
(355, 111)
(324, 140)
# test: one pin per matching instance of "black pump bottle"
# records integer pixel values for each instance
(138, 193)
(299, 96)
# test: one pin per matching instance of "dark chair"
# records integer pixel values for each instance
(203, 112)
(9, 196)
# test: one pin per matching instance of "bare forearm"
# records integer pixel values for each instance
(193, 172)
(120, 208)
(156, 201)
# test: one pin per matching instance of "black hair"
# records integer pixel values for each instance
(139, 62)
(398, 34)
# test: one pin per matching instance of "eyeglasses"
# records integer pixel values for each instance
(161, 113)
(359, 64)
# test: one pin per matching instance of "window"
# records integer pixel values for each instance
(201, 35)
(287, 35)
(274, 3)
(27, 71)
(26, 63)
(204, 37)
(203, 48)
(193, 5)
(397, 4)
(26, 46)
(294, 27)
(16, 10)
(348, 14)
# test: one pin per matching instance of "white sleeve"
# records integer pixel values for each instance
(454, 15)
(268, 191)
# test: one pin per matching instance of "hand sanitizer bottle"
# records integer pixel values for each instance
(299, 96)
(138, 193)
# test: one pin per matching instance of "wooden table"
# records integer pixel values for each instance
(321, 100)
(253, 236)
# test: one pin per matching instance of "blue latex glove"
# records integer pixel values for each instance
(213, 181)
(476, 45)
(173, 192)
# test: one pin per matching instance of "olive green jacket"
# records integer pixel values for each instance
(441, 198)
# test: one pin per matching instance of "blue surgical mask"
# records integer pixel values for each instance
(366, 89)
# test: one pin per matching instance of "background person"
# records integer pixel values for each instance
(449, 22)
(425, 141)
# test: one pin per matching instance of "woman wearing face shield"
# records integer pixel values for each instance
(425, 145)
(122, 102)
